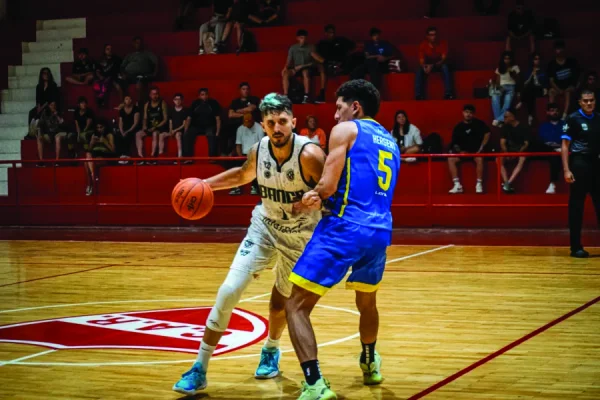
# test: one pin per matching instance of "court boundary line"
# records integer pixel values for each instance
(503, 350)
(59, 275)
(20, 359)
(420, 253)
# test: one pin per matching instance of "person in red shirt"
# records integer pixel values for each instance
(433, 54)
(313, 132)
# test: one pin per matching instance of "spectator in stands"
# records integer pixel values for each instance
(248, 134)
(139, 67)
(563, 73)
(102, 145)
(129, 124)
(156, 121)
(335, 51)
(267, 13)
(535, 86)
(433, 56)
(220, 17)
(205, 120)
(83, 119)
(504, 87)
(521, 24)
(51, 129)
(240, 10)
(492, 9)
(515, 138)
(303, 61)
(179, 121)
(83, 69)
(377, 53)
(469, 136)
(46, 91)
(313, 132)
(550, 139)
(407, 135)
(107, 75)
(244, 104)
(591, 83)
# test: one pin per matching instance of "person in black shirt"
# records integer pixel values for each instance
(46, 92)
(205, 116)
(582, 170)
(335, 50)
(471, 135)
(246, 103)
(107, 75)
(221, 15)
(156, 121)
(377, 53)
(267, 13)
(521, 23)
(83, 119)
(102, 145)
(515, 138)
(179, 121)
(563, 73)
(129, 124)
(591, 83)
(83, 69)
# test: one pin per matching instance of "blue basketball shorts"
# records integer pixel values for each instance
(337, 245)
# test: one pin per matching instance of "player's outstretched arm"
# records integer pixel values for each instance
(237, 176)
(340, 141)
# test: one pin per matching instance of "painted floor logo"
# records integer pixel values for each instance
(178, 329)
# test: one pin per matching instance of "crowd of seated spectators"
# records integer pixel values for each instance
(232, 131)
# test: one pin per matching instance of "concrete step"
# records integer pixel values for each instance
(17, 107)
(47, 57)
(55, 45)
(33, 70)
(29, 82)
(9, 157)
(60, 34)
(15, 120)
(9, 146)
(18, 95)
(66, 23)
(13, 132)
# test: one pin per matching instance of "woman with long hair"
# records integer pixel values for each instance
(102, 145)
(407, 135)
(507, 75)
(535, 85)
(46, 92)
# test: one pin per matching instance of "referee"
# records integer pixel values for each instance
(582, 170)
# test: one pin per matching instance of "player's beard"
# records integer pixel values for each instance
(283, 141)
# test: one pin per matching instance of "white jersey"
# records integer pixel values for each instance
(282, 185)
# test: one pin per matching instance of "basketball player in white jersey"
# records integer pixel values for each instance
(286, 166)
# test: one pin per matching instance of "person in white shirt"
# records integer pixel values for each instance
(248, 134)
(407, 135)
(503, 89)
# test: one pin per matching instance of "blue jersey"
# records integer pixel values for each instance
(366, 188)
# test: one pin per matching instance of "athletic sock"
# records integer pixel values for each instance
(271, 343)
(312, 372)
(368, 353)
(204, 354)
(456, 180)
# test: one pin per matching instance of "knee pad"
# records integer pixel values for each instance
(228, 297)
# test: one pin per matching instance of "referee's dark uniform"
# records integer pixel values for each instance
(582, 133)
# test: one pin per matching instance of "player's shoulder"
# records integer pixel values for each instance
(310, 151)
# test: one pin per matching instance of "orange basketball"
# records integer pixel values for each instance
(192, 198)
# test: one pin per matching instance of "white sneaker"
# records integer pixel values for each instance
(530, 120)
(410, 159)
(124, 160)
(201, 52)
(479, 188)
(551, 189)
(495, 122)
(456, 189)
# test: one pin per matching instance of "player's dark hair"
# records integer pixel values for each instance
(275, 103)
(374, 31)
(362, 91)
(302, 32)
(586, 91)
(329, 27)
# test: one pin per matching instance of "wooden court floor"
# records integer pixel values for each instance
(456, 323)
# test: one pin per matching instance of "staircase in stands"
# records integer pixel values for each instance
(53, 45)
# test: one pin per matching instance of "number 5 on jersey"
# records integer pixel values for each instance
(384, 182)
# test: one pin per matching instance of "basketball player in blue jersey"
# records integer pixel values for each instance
(357, 186)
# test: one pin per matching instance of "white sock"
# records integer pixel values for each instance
(456, 181)
(271, 343)
(204, 354)
(479, 180)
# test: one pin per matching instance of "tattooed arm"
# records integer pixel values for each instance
(238, 176)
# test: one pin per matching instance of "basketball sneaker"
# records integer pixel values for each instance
(192, 381)
(372, 372)
(319, 391)
(268, 367)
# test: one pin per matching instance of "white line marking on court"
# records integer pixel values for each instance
(256, 297)
(420, 254)
(18, 360)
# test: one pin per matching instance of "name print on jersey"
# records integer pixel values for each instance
(280, 196)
